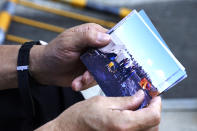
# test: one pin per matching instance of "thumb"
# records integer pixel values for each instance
(90, 35)
(126, 103)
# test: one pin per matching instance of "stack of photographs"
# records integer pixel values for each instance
(136, 58)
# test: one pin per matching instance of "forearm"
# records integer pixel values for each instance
(8, 64)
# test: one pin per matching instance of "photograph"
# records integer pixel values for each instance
(117, 72)
(149, 51)
(136, 58)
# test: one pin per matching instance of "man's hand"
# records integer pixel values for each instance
(59, 62)
(109, 114)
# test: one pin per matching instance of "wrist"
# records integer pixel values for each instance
(36, 65)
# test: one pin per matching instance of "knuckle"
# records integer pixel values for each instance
(133, 99)
(92, 25)
(156, 117)
(89, 33)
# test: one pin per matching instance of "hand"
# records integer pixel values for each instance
(59, 62)
(110, 114)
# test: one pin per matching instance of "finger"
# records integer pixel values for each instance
(77, 83)
(90, 35)
(126, 103)
(142, 119)
(88, 80)
(83, 82)
(155, 103)
(98, 39)
(150, 116)
(99, 28)
(95, 36)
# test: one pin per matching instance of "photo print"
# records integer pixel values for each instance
(136, 58)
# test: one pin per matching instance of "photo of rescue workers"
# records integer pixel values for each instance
(135, 59)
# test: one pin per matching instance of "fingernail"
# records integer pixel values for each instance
(103, 37)
(140, 93)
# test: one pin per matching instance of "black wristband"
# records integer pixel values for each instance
(24, 77)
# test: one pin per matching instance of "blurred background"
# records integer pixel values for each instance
(176, 20)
